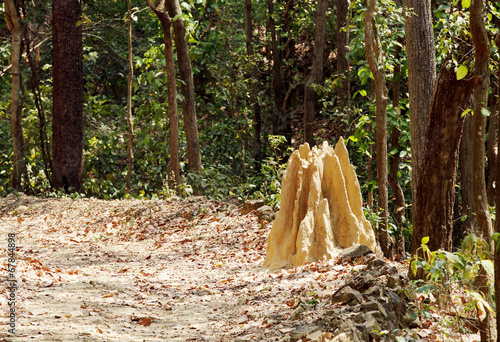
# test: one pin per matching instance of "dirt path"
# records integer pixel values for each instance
(91, 270)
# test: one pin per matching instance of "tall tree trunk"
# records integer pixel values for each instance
(37, 97)
(16, 28)
(374, 55)
(316, 75)
(394, 162)
(277, 73)
(482, 82)
(343, 92)
(130, 119)
(286, 128)
(173, 116)
(497, 206)
(421, 54)
(187, 87)
(434, 216)
(67, 124)
(254, 98)
(480, 198)
(491, 145)
(465, 182)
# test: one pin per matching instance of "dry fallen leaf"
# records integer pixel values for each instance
(145, 321)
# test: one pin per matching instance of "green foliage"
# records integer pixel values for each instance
(452, 274)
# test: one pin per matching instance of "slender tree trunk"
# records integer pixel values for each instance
(254, 98)
(67, 122)
(316, 75)
(286, 128)
(465, 182)
(491, 146)
(374, 56)
(497, 221)
(35, 89)
(187, 87)
(482, 82)
(173, 116)
(480, 198)
(497, 225)
(434, 215)
(16, 28)
(130, 119)
(277, 73)
(343, 92)
(394, 162)
(421, 54)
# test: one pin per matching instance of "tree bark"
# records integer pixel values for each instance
(394, 166)
(37, 97)
(491, 146)
(480, 198)
(187, 87)
(130, 119)
(316, 75)
(16, 28)
(465, 182)
(277, 73)
(343, 92)
(254, 98)
(173, 116)
(497, 221)
(374, 55)
(434, 216)
(67, 124)
(421, 54)
(289, 49)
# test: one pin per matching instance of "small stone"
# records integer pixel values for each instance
(377, 264)
(265, 213)
(347, 295)
(374, 306)
(342, 337)
(356, 251)
(252, 205)
(21, 209)
(305, 331)
(393, 281)
(193, 199)
(374, 291)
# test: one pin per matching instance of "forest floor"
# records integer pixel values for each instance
(132, 270)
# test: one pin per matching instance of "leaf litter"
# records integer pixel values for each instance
(155, 270)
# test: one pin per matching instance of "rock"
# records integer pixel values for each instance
(375, 291)
(393, 281)
(377, 264)
(320, 210)
(194, 199)
(232, 199)
(265, 213)
(347, 294)
(305, 331)
(373, 306)
(21, 209)
(252, 205)
(356, 251)
(362, 281)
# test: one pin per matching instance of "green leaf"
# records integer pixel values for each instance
(466, 4)
(425, 240)
(362, 92)
(464, 114)
(452, 257)
(488, 266)
(462, 71)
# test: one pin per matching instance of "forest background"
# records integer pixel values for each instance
(255, 80)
